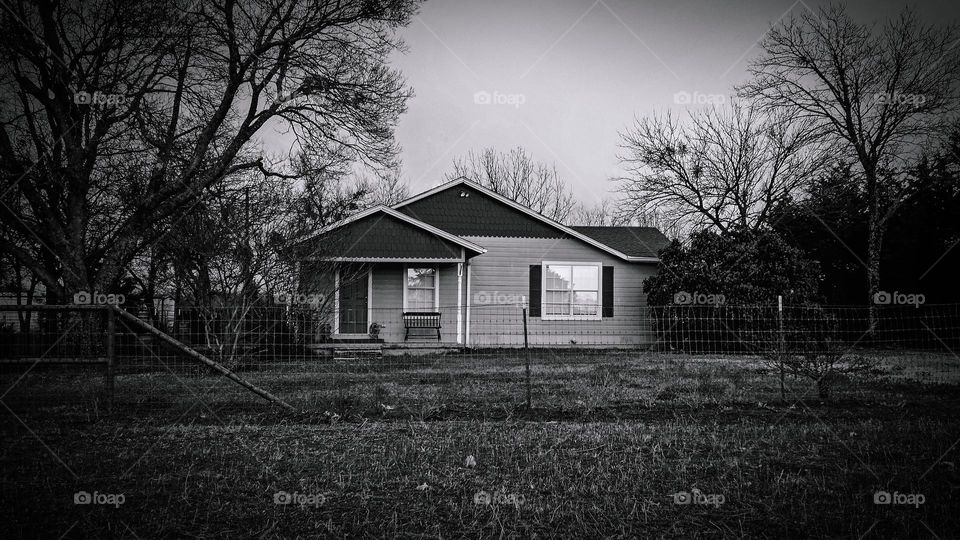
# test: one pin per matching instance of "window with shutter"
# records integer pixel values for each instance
(607, 287)
(536, 280)
(571, 291)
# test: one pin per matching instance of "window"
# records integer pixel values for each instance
(571, 290)
(421, 290)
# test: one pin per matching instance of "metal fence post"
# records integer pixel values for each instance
(111, 355)
(526, 353)
(781, 346)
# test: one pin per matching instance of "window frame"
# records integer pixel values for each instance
(544, 315)
(436, 284)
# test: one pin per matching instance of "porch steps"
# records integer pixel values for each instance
(357, 353)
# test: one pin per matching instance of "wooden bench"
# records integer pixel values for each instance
(417, 320)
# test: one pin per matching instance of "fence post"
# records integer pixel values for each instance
(781, 346)
(526, 353)
(111, 356)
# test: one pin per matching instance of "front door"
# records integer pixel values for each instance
(353, 304)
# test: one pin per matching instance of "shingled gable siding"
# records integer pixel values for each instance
(504, 271)
(381, 235)
(477, 214)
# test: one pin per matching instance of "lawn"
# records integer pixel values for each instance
(610, 445)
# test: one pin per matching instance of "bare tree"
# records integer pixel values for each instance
(517, 176)
(118, 116)
(230, 264)
(724, 168)
(387, 190)
(604, 213)
(880, 92)
(327, 190)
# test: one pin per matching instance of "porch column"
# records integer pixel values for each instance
(460, 297)
(468, 301)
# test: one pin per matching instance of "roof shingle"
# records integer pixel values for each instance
(631, 241)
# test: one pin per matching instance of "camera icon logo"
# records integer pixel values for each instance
(82, 298)
(682, 298)
(882, 298)
(681, 497)
(482, 97)
(882, 497)
(282, 497)
(81, 98)
(82, 497)
(482, 497)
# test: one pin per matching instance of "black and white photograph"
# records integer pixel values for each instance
(446, 269)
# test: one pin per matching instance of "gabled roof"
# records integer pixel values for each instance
(468, 211)
(634, 241)
(461, 221)
(381, 233)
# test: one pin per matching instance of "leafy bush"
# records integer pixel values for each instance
(710, 291)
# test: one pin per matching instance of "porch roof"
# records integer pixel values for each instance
(382, 234)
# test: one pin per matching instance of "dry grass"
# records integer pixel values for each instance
(608, 442)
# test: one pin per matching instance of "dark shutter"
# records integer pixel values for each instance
(536, 280)
(607, 291)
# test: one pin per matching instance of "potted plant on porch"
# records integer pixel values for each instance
(375, 330)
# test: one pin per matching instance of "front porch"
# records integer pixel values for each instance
(391, 278)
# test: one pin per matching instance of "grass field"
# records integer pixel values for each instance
(608, 443)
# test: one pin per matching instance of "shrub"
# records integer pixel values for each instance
(810, 344)
(740, 274)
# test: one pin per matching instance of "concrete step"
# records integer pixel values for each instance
(357, 354)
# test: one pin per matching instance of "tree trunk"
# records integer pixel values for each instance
(874, 242)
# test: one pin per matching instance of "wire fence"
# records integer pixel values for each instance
(478, 361)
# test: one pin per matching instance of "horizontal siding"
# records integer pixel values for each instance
(387, 297)
(502, 274)
(500, 277)
(448, 303)
(388, 283)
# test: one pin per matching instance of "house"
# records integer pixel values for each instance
(478, 258)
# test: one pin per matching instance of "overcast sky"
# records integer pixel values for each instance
(570, 74)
